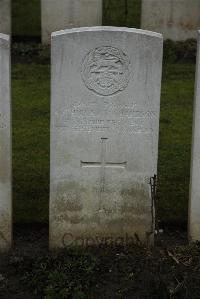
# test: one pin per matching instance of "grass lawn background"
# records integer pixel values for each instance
(31, 93)
(31, 102)
(26, 15)
(26, 18)
(120, 273)
(31, 96)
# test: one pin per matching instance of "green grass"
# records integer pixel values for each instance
(26, 15)
(31, 95)
(26, 18)
(122, 13)
(30, 87)
(175, 141)
(31, 121)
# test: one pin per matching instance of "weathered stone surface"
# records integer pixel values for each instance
(5, 145)
(194, 205)
(104, 134)
(63, 14)
(177, 20)
(5, 16)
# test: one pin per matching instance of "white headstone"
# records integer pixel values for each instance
(177, 20)
(5, 16)
(63, 14)
(194, 205)
(104, 134)
(5, 145)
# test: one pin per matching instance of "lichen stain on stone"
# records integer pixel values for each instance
(75, 219)
(67, 205)
(5, 231)
(75, 209)
(135, 201)
(92, 219)
(68, 197)
(5, 167)
(190, 25)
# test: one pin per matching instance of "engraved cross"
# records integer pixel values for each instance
(102, 164)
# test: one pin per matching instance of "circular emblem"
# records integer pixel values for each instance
(105, 70)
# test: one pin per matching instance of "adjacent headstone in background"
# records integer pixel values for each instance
(177, 20)
(104, 135)
(5, 145)
(62, 14)
(5, 16)
(194, 205)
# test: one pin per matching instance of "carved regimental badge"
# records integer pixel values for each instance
(105, 70)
